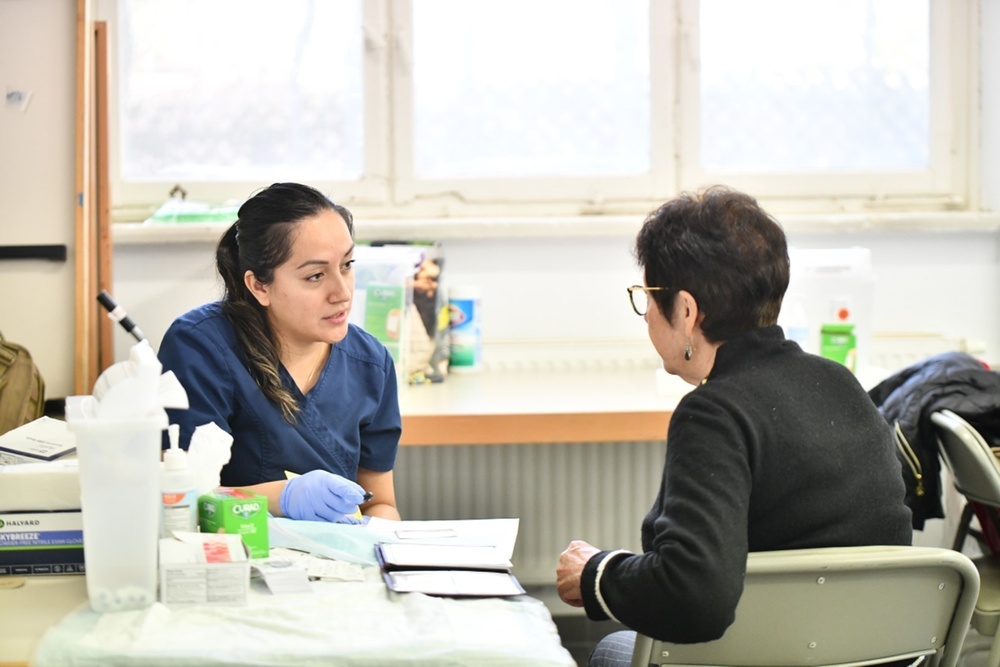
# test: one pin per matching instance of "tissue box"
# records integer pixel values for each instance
(41, 543)
(201, 568)
(239, 512)
(44, 439)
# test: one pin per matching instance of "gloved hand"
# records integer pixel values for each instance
(319, 495)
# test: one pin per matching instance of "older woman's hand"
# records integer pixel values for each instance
(571, 562)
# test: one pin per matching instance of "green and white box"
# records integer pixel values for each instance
(239, 512)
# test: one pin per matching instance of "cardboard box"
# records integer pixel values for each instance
(203, 568)
(238, 512)
(44, 439)
(41, 543)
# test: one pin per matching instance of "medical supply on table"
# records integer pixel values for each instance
(44, 439)
(237, 512)
(465, 312)
(283, 576)
(203, 568)
(320, 495)
(119, 433)
(41, 543)
(178, 491)
(40, 487)
(41, 525)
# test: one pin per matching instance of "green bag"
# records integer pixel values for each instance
(22, 389)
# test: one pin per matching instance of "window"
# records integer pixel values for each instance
(533, 107)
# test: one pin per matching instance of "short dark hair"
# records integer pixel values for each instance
(721, 246)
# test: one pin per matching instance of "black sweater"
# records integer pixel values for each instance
(779, 449)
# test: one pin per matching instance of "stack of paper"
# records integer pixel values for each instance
(448, 558)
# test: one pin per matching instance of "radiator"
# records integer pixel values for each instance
(598, 492)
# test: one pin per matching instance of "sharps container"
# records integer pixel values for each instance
(118, 442)
(465, 313)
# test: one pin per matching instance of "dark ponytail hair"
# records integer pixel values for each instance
(259, 241)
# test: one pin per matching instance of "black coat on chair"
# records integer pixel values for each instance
(953, 381)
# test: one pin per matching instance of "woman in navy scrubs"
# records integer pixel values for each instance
(310, 400)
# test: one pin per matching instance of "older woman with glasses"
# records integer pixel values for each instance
(773, 449)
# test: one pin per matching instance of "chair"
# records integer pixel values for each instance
(976, 472)
(839, 606)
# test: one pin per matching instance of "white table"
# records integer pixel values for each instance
(48, 623)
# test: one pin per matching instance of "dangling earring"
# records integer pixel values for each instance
(687, 352)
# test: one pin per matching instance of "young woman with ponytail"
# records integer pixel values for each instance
(310, 400)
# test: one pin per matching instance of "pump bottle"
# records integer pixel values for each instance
(179, 506)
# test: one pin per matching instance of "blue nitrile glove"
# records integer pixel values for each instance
(319, 495)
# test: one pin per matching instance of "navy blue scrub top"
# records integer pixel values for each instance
(349, 419)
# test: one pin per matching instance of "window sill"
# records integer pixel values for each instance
(402, 229)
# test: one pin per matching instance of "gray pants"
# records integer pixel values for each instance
(615, 650)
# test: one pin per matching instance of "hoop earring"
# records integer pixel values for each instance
(688, 352)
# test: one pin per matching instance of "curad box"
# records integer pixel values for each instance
(239, 512)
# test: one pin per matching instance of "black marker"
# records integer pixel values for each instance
(118, 314)
(368, 496)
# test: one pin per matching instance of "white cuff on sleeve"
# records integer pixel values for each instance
(597, 580)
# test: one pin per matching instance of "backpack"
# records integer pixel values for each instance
(22, 389)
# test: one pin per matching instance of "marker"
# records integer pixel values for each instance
(118, 314)
(368, 496)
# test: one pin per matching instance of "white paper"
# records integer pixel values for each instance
(499, 533)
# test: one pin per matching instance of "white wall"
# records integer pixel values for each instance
(38, 55)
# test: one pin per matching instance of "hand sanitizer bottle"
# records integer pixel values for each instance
(179, 507)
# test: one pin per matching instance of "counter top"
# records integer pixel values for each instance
(533, 407)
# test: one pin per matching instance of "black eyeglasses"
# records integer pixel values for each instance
(640, 303)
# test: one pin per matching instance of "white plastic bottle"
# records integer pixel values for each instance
(178, 491)
(797, 327)
(465, 315)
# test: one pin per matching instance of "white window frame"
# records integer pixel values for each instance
(390, 190)
(583, 193)
(942, 184)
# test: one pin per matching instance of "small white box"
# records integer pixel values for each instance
(44, 439)
(203, 568)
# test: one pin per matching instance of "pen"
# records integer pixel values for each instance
(118, 314)
(368, 496)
